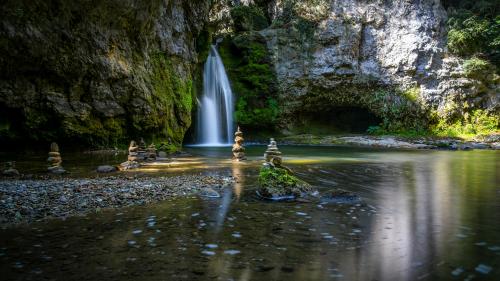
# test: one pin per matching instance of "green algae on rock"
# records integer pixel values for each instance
(276, 181)
(98, 73)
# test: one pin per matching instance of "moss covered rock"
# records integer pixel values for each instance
(98, 72)
(277, 183)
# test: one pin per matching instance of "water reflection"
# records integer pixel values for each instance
(238, 174)
(429, 215)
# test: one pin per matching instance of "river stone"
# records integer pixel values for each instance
(11, 172)
(340, 196)
(56, 170)
(106, 169)
(162, 154)
(279, 184)
(209, 192)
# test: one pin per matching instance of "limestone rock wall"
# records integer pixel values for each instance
(98, 71)
(334, 46)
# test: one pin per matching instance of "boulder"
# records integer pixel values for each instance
(106, 169)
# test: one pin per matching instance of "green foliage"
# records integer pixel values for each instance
(253, 81)
(479, 122)
(474, 28)
(248, 18)
(477, 68)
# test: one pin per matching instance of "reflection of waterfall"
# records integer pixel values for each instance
(215, 109)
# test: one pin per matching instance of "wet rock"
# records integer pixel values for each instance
(484, 269)
(106, 169)
(128, 165)
(209, 192)
(495, 145)
(10, 170)
(340, 196)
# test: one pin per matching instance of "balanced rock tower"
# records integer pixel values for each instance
(55, 160)
(272, 154)
(238, 148)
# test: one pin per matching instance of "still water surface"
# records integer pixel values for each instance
(426, 215)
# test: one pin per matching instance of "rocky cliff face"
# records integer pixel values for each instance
(98, 71)
(373, 54)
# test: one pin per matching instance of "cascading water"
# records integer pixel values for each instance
(215, 109)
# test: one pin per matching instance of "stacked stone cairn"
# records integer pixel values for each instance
(151, 152)
(272, 155)
(133, 157)
(142, 153)
(238, 148)
(55, 160)
(277, 182)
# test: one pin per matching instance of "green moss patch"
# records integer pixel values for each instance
(276, 182)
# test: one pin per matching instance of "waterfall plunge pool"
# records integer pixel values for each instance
(427, 215)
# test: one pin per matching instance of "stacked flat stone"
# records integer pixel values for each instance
(133, 152)
(142, 152)
(238, 148)
(151, 152)
(132, 159)
(272, 154)
(55, 160)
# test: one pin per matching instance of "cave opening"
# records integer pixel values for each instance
(338, 120)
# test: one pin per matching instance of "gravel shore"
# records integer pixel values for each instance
(25, 201)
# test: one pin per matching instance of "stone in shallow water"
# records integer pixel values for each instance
(340, 196)
(231, 252)
(212, 246)
(208, 253)
(209, 192)
(106, 169)
(494, 248)
(457, 271)
(484, 269)
(137, 231)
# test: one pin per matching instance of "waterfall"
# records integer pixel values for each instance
(215, 108)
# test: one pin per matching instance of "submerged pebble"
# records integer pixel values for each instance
(457, 271)
(484, 269)
(208, 253)
(231, 252)
(494, 248)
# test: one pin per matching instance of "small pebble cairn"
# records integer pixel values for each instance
(55, 160)
(272, 154)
